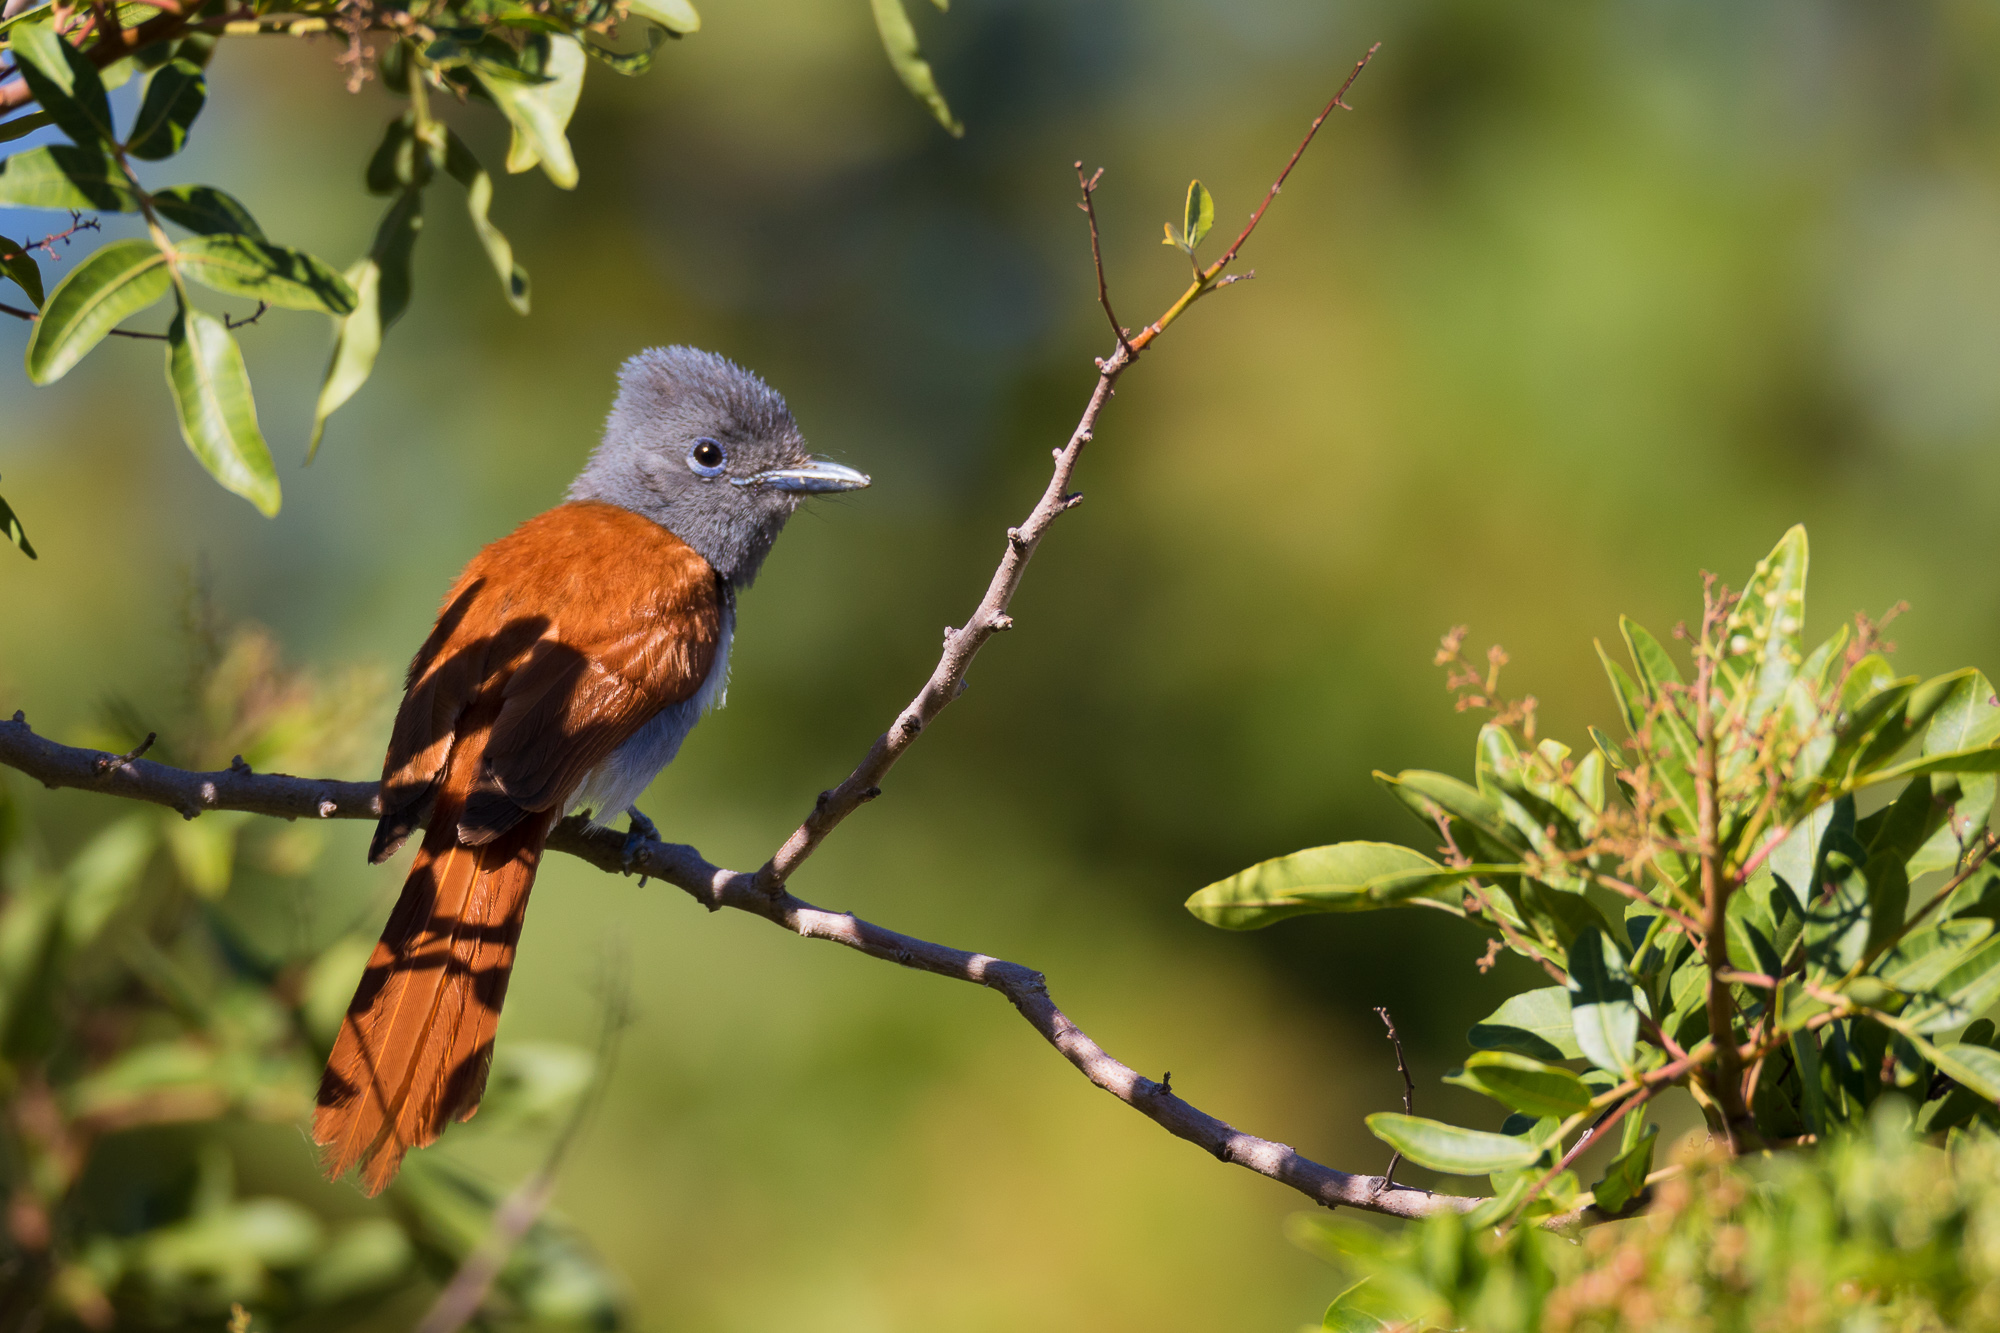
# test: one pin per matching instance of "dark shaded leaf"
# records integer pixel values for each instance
(11, 529)
(64, 81)
(540, 112)
(28, 124)
(206, 211)
(465, 169)
(1625, 1178)
(16, 263)
(174, 97)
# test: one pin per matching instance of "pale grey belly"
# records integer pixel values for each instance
(611, 787)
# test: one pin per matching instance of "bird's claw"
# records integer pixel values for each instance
(640, 832)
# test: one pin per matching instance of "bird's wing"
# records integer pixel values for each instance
(577, 629)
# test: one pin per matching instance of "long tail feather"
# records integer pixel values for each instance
(417, 1040)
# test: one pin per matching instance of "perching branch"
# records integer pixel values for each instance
(763, 893)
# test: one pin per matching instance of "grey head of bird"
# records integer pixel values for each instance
(711, 453)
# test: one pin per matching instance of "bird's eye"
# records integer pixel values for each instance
(706, 458)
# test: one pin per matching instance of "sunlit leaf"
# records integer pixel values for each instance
(1197, 215)
(1534, 1023)
(899, 39)
(103, 875)
(110, 285)
(1345, 877)
(674, 15)
(64, 176)
(261, 271)
(1447, 1148)
(1763, 644)
(218, 416)
(381, 285)
(1525, 1084)
(540, 112)
(1961, 994)
(174, 97)
(1603, 1009)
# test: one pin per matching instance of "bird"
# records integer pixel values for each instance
(570, 660)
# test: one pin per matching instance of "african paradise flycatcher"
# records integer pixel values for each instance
(570, 661)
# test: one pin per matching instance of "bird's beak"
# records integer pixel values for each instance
(816, 477)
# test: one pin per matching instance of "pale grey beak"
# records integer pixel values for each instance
(816, 477)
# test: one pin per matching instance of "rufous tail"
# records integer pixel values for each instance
(417, 1041)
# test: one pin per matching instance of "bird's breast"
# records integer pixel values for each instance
(610, 788)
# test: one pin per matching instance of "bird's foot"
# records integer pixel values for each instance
(641, 831)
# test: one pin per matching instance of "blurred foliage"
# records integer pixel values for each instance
(140, 1026)
(1877, 1229)
(525, 60)
(1703, 894)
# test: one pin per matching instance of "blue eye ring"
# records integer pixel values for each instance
(707, 458)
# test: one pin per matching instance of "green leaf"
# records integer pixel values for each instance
(1197, 215)
(465, 169)
(1476, 818)
(676, 16)
(174, 97)
(1345, 877)
(1601, 999)
(1961, 994)
(104, 874)
(629, 63)
(1923, 958)
(28, 124)
(1524, 1084)
(368, 1254)
(1447, 1148)
(1534, 1023)
(206, 211)
(261, 271)
(34, 14)
(64, 176)
(64, 81)
(1625, 1178)
(1764, 629)
(11, 529)
(540, 112)
(218, 416)
(899, 39)
(401, 161)
(16, 263)
(381, 284)
(112, 284)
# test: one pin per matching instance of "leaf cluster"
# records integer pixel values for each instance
(149, 1015)
(1775, 892)
(1878, 1230)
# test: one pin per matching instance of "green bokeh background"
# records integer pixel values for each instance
(1581, 299)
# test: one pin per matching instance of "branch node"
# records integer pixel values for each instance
(1165, 1087)
(1072, 500)
(20, 718)
(1016, 540)
(110, 761)
(236, 764)
(910, 725)
(327, 809)
(869, 794)
(1001, 622)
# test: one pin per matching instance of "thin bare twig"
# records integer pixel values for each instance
(1409, 1091)
(1089, 188)
(228, 322)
